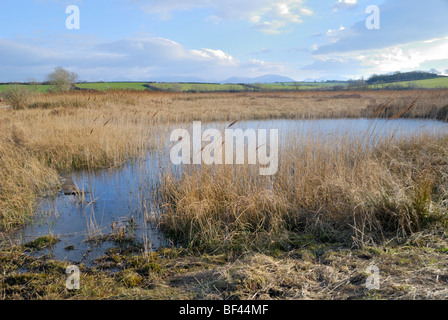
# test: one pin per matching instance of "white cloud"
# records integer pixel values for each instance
(408, 57)
(393, 59)
(142, 58)
(420, 55)
(217, 55)
(268, 16)
(346, 4)
(401, 23)
(254, 66)
(336, 34)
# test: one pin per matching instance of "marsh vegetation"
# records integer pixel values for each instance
(335, 203)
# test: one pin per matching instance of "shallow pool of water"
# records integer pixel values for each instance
(120, 199)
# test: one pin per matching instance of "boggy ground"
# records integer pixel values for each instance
(385, 207)
(414, 269)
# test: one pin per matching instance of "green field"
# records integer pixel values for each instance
(101, 86)
(191, 87)
(425, 84)
(214, 87)
(113, 85)
(198, 87)
(36, 87)
(302, 85)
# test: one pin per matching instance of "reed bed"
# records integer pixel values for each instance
(37, 144)
(61, 132)
(22, 178)
(336, 190)
(206, 107)
(256, 237)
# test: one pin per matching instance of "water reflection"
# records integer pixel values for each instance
(121, 200)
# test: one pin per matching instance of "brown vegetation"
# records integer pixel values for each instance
(77, 130)
(264, 235)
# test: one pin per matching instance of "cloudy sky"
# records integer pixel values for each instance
(133, 40)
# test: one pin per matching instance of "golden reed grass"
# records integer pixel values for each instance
(336, 190)
(187, 107)
(87, 130)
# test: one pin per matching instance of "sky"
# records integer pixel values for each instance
(212, 40)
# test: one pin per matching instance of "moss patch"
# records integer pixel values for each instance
(41, 243)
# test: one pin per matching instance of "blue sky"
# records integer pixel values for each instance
(143, 40)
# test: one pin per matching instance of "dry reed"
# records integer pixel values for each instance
(338, 190)
(87, 130)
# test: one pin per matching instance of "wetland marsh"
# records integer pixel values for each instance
(361, 175)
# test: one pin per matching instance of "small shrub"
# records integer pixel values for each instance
(18, 96)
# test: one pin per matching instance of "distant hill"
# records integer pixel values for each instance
(402, 77)
(180, 79)
(269, 78)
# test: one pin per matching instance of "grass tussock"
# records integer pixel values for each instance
(23, 177)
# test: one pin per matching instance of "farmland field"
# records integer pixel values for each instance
(304, 85)
(436, 83)
(213, 87)
(188, 87)
(101, 86)
(198, 87)
(37, 87)
(113, 86)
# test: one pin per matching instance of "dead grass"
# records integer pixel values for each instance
(182, 107)
(88, 130)
(258, 237)
(337, 190)
(36, 144)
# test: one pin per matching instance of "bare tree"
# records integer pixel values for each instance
(61, 79)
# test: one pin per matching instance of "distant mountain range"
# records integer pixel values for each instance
(181, 79)
(269, 78)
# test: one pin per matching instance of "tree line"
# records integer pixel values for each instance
(401, 76)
